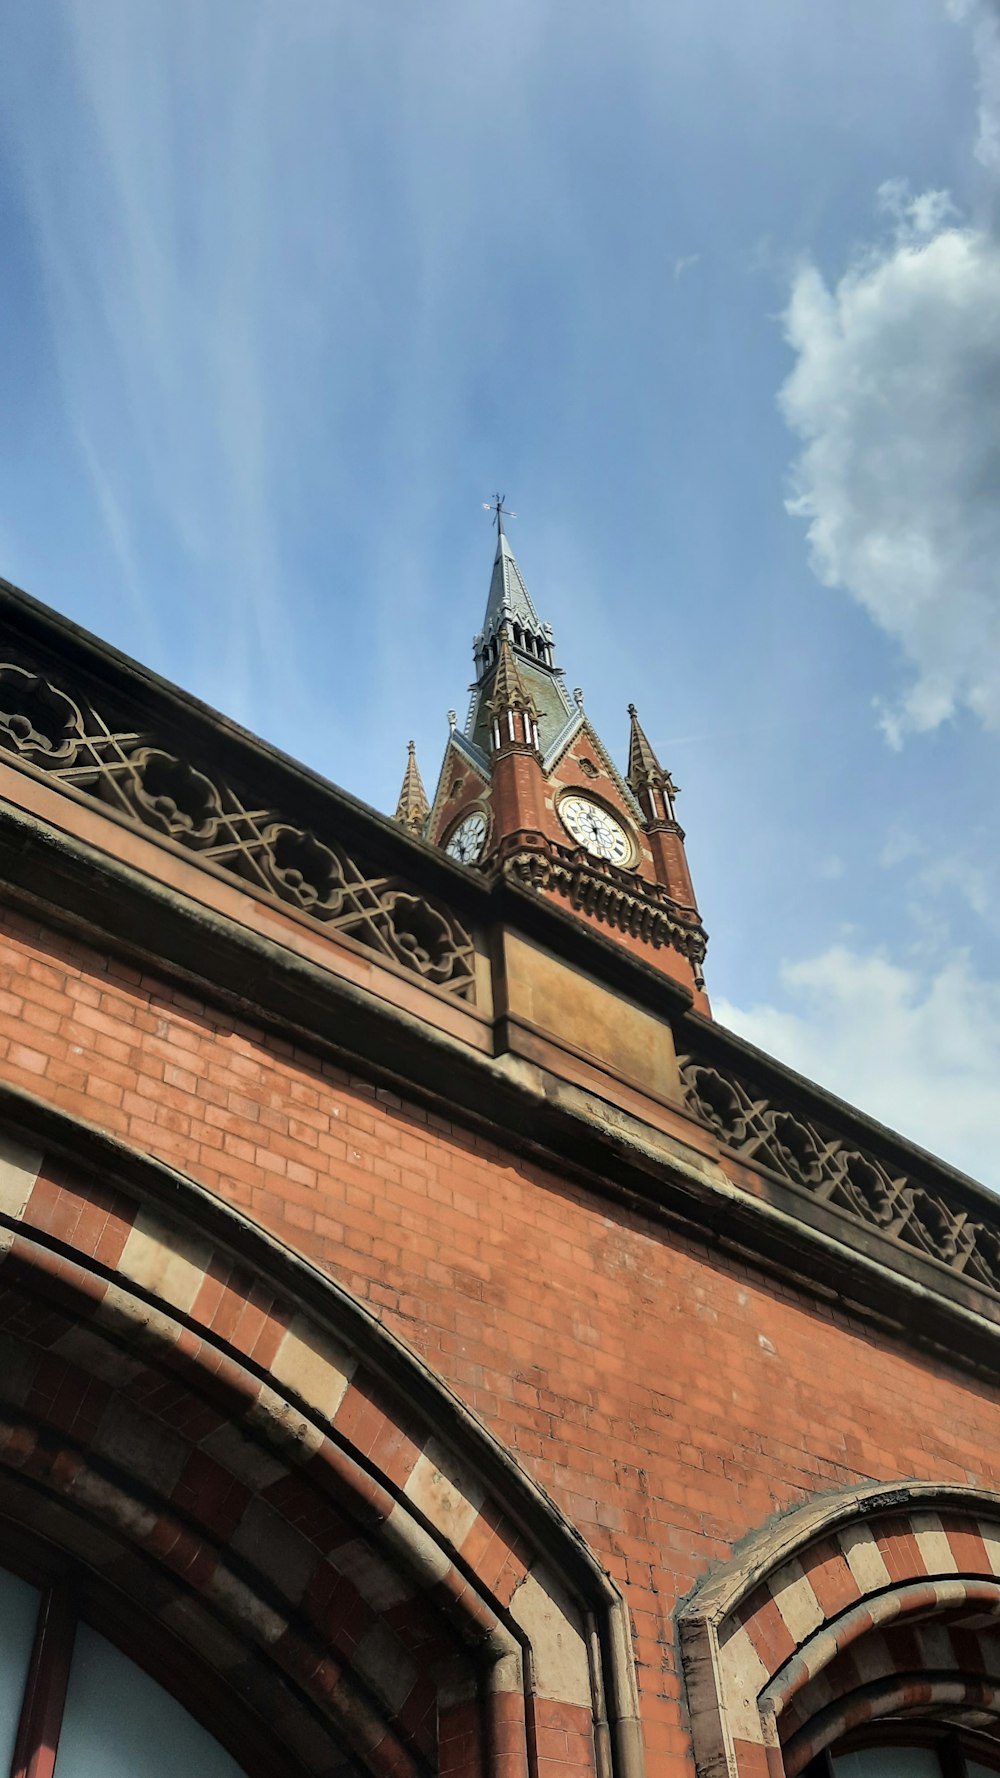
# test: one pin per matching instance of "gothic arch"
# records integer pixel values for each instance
(222, 1440)
(883, 1602)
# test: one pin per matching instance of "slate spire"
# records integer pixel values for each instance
(511, 615)
(510, 611)
(413, 807)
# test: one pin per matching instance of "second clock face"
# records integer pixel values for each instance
(595, 828)
(467, 840)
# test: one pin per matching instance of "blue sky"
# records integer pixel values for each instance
(711, 291)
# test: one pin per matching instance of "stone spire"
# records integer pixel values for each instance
(653, 786)
(512, 708)
(654, 791)
(412, 808)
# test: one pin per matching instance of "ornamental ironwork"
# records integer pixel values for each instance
(854, 1181)
(44, 729)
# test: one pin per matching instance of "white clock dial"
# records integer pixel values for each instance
(595, 828)
(468, 839)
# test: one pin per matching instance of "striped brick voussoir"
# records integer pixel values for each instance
(886, 1603)
(213, 1453)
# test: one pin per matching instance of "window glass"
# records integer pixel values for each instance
(886, 1762)
(18, 1614)
(974, 1770)
(119, 1722)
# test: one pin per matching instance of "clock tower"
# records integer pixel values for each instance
(528, 791)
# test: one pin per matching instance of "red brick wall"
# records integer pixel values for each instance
(670, 1400)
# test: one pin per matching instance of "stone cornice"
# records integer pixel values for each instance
(616, 897)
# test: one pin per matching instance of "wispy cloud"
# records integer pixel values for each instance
(919, 1051)
(149, 235)
(984, 18)
(939, 881)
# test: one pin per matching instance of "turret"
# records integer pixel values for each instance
(528, 790)
(514, 717)
(515, 759)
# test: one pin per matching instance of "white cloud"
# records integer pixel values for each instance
(894, 394)
(901, 846)
(921, 1053)
(965, 878)
(984, 16)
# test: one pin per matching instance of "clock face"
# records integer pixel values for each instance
(468, 839)
(593, 827)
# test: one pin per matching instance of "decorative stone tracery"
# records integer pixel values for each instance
(72, 741)
(854, 1181)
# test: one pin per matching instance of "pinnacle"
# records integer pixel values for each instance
(413, 807)
(644, 768)
(508, 686)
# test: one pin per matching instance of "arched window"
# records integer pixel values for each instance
(72, 1705)
(920, 1750)
(856, 1639)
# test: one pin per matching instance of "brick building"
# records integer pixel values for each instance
(429, 1343)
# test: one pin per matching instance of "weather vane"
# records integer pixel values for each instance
(497, 507)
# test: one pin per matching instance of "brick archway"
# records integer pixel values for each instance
(222, 1440)
(882, 1602)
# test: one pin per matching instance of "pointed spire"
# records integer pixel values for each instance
(646, 776)
(511, 613)
(643, 765)
(508, 687)
(655, 790)
(509, 601)
(413, 807)
(512, 708)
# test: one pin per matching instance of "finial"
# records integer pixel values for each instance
(411, 748)
(632, 710)
(578, 696)
(498, 509)
(452, 720)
